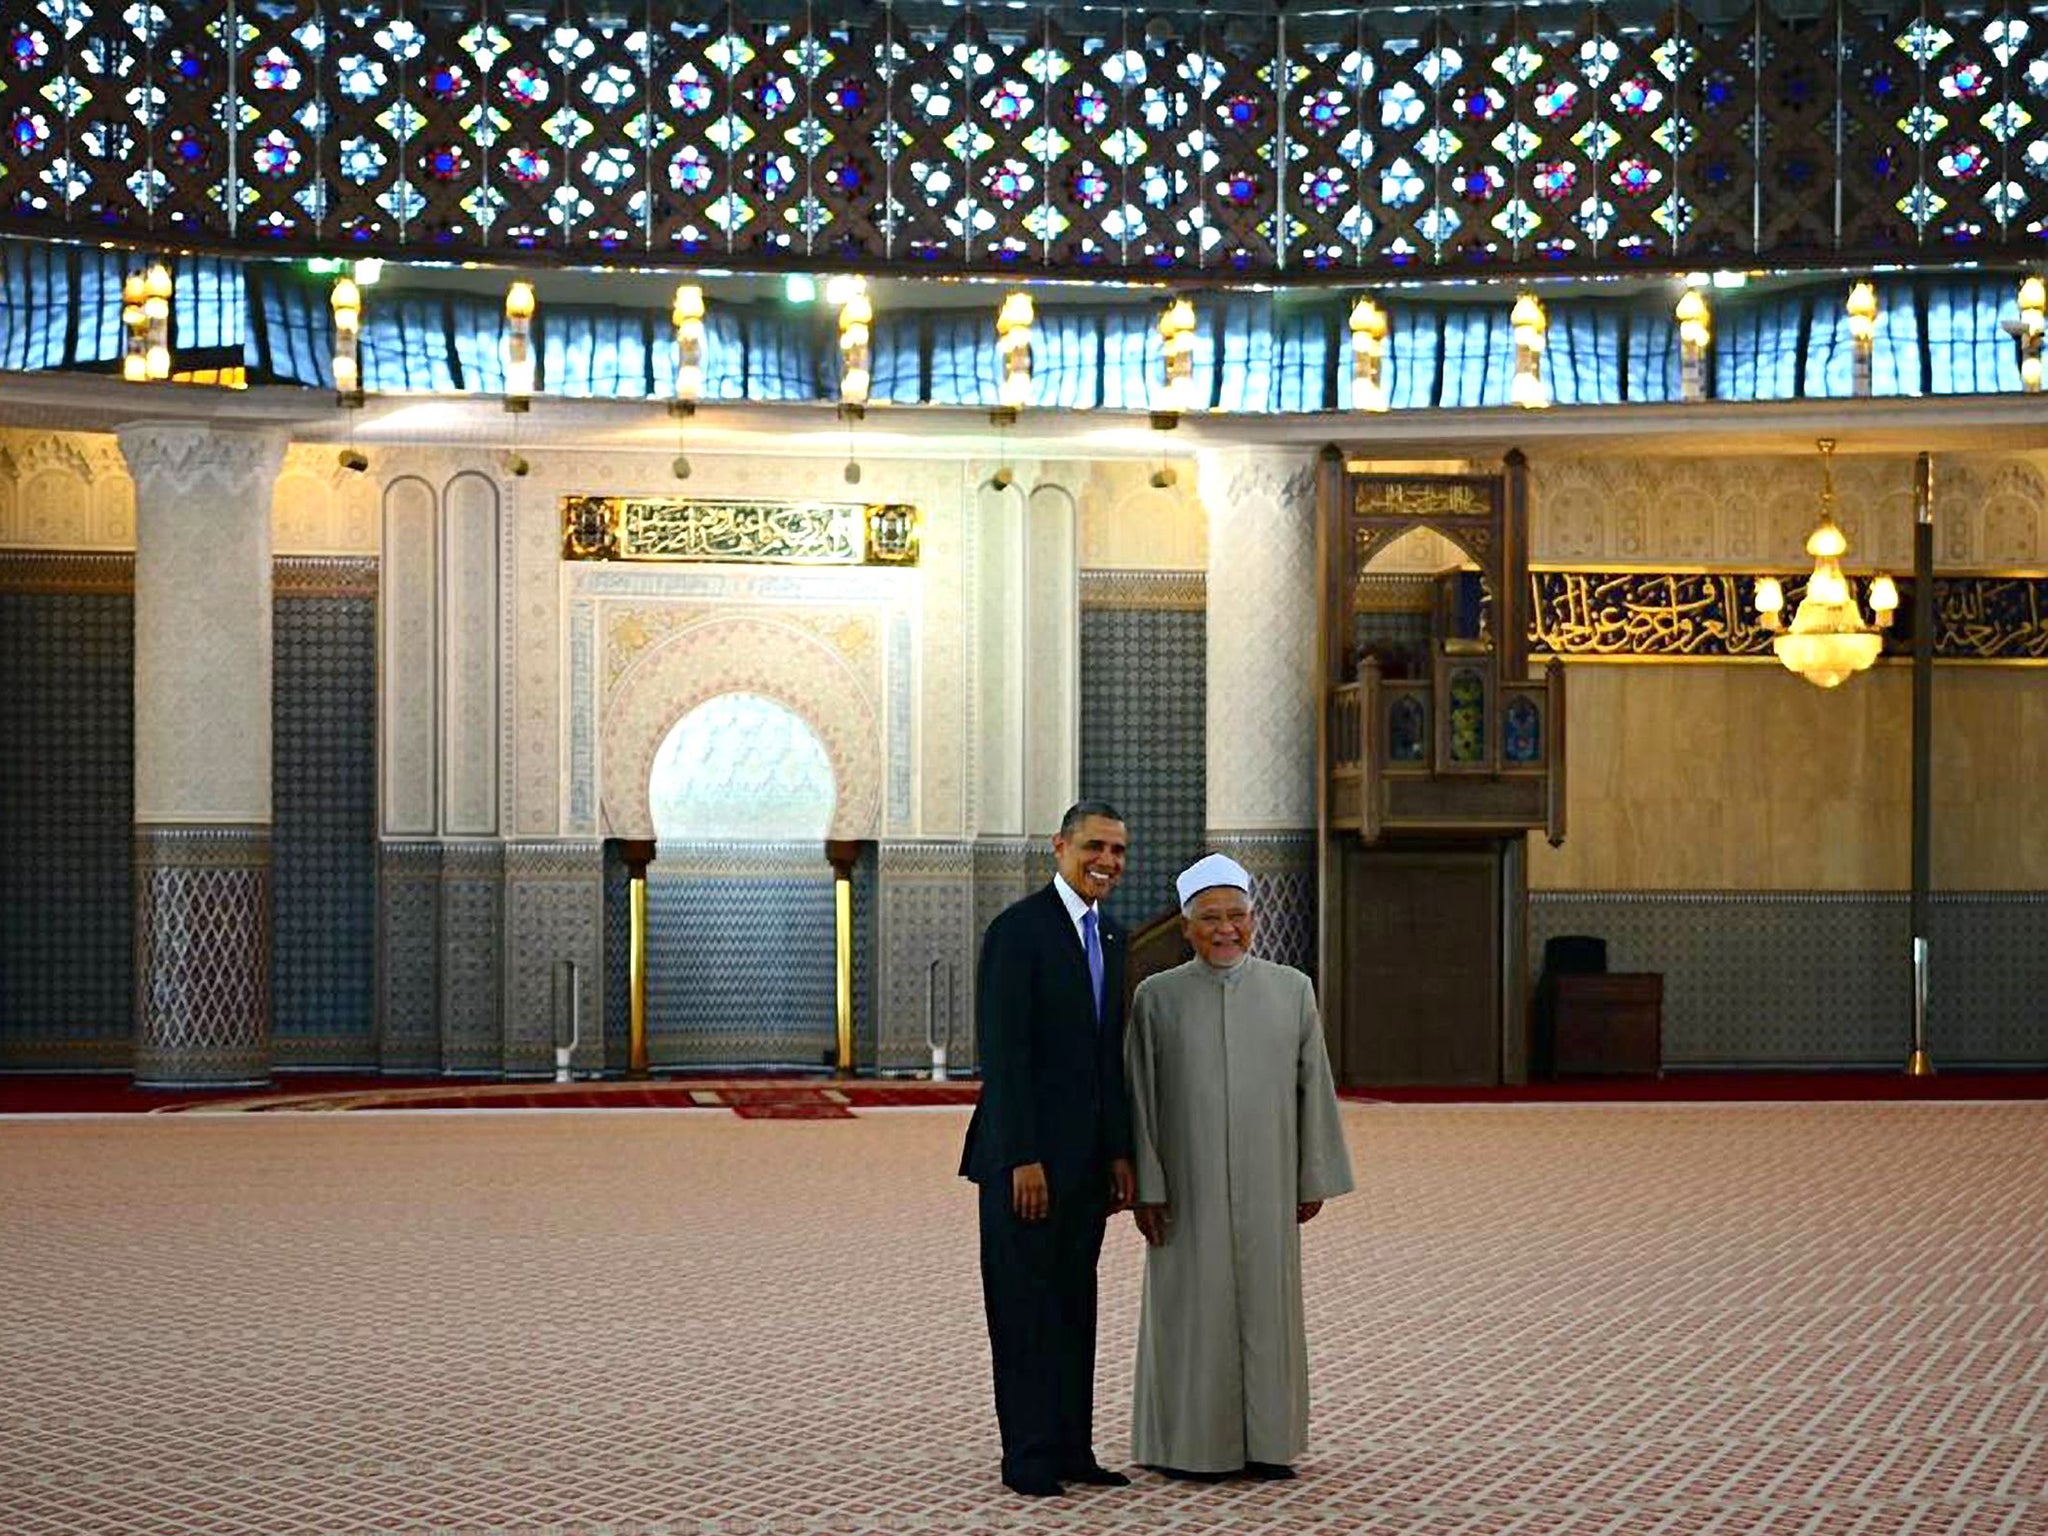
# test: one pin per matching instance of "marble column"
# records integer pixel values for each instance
(1261, 694)
(202, 750)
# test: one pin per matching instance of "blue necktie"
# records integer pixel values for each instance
(1092, 942)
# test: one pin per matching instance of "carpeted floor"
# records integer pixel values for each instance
(772, 1096)
(1533, 1320)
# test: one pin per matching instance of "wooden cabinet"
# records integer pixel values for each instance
(1610, 1023)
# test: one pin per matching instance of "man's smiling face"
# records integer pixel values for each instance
(1092, 859)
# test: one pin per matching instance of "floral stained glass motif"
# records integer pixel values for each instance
(986, 139)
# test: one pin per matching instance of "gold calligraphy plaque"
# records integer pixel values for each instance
(1420, 499)
(673, 528)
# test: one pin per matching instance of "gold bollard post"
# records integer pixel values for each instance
(638, 854)
(842, 855)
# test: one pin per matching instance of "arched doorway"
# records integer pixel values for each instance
(739, 900)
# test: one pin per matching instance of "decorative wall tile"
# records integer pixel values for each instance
(202, 954)
(472, 933)
(740, 965)
(618, 962)
(324, 817)
(927, 895)
(1822, 978)
(66, 809)
(553, 912)
(866, 914)
(409, 956)
(1143, 729)
(1740, 510)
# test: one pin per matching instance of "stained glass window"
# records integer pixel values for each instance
(1034, 137)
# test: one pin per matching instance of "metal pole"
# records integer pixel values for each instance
(1919, 1063)
(842, 855)
(638, 854)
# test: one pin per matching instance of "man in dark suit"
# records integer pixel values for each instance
(1050, 1148)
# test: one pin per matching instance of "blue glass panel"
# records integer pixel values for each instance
(1467, 704)
(35, 300)
(1582, 354)
(405, 345)
(1894, 351)
(1407, 730)
(1479, 355)
(1414, 350)
(1242, 324)
(1304, 340)
(1652, 356)
(1968, 351)
(1757, 350)
(1521, 738)
(963, 358)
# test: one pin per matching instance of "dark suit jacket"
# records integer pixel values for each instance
(1052, 1079)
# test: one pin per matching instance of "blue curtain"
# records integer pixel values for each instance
(1255, 352)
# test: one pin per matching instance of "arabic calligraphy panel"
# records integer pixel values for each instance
(1664, 615)
(758, 532)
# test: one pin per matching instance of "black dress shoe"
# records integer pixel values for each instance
(1095, 1476)
(1268, 1471)
(1034, 1487)
(1180, 1474)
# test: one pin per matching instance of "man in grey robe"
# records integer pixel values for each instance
(1238, 1142)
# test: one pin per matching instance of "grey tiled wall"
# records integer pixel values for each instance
(1822, 978)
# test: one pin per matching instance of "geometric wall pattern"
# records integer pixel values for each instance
(1142, 728)
(202, 954)
(66, 808)
(1821, 978)
(740, 968)
(67, 817)
(925, 927)
(725, 921)
(324, 821)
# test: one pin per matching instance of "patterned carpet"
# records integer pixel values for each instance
(1590, 1320)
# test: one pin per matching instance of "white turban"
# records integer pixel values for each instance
(1209, 871)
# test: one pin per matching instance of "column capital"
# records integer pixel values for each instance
(1226, 478)
(178, 457)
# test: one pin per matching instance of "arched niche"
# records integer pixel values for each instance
(1407, 595)
(785, 664)
(741, 765)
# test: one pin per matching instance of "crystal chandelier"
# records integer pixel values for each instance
(1828, 640)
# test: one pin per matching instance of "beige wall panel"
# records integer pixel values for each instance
(1742, 777)
(1052, 669)
(1990, 820)
(999, 644)
(409, 658)
(1747, 510)
(322, 509)
(469, 648)
(1128, 524)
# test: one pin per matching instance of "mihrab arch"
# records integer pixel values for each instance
(784, 662)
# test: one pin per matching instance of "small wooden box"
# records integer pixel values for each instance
(1610, 1023)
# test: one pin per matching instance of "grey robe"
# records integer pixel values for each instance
(1234, 1116)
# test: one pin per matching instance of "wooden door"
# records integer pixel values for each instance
(1422, 936)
